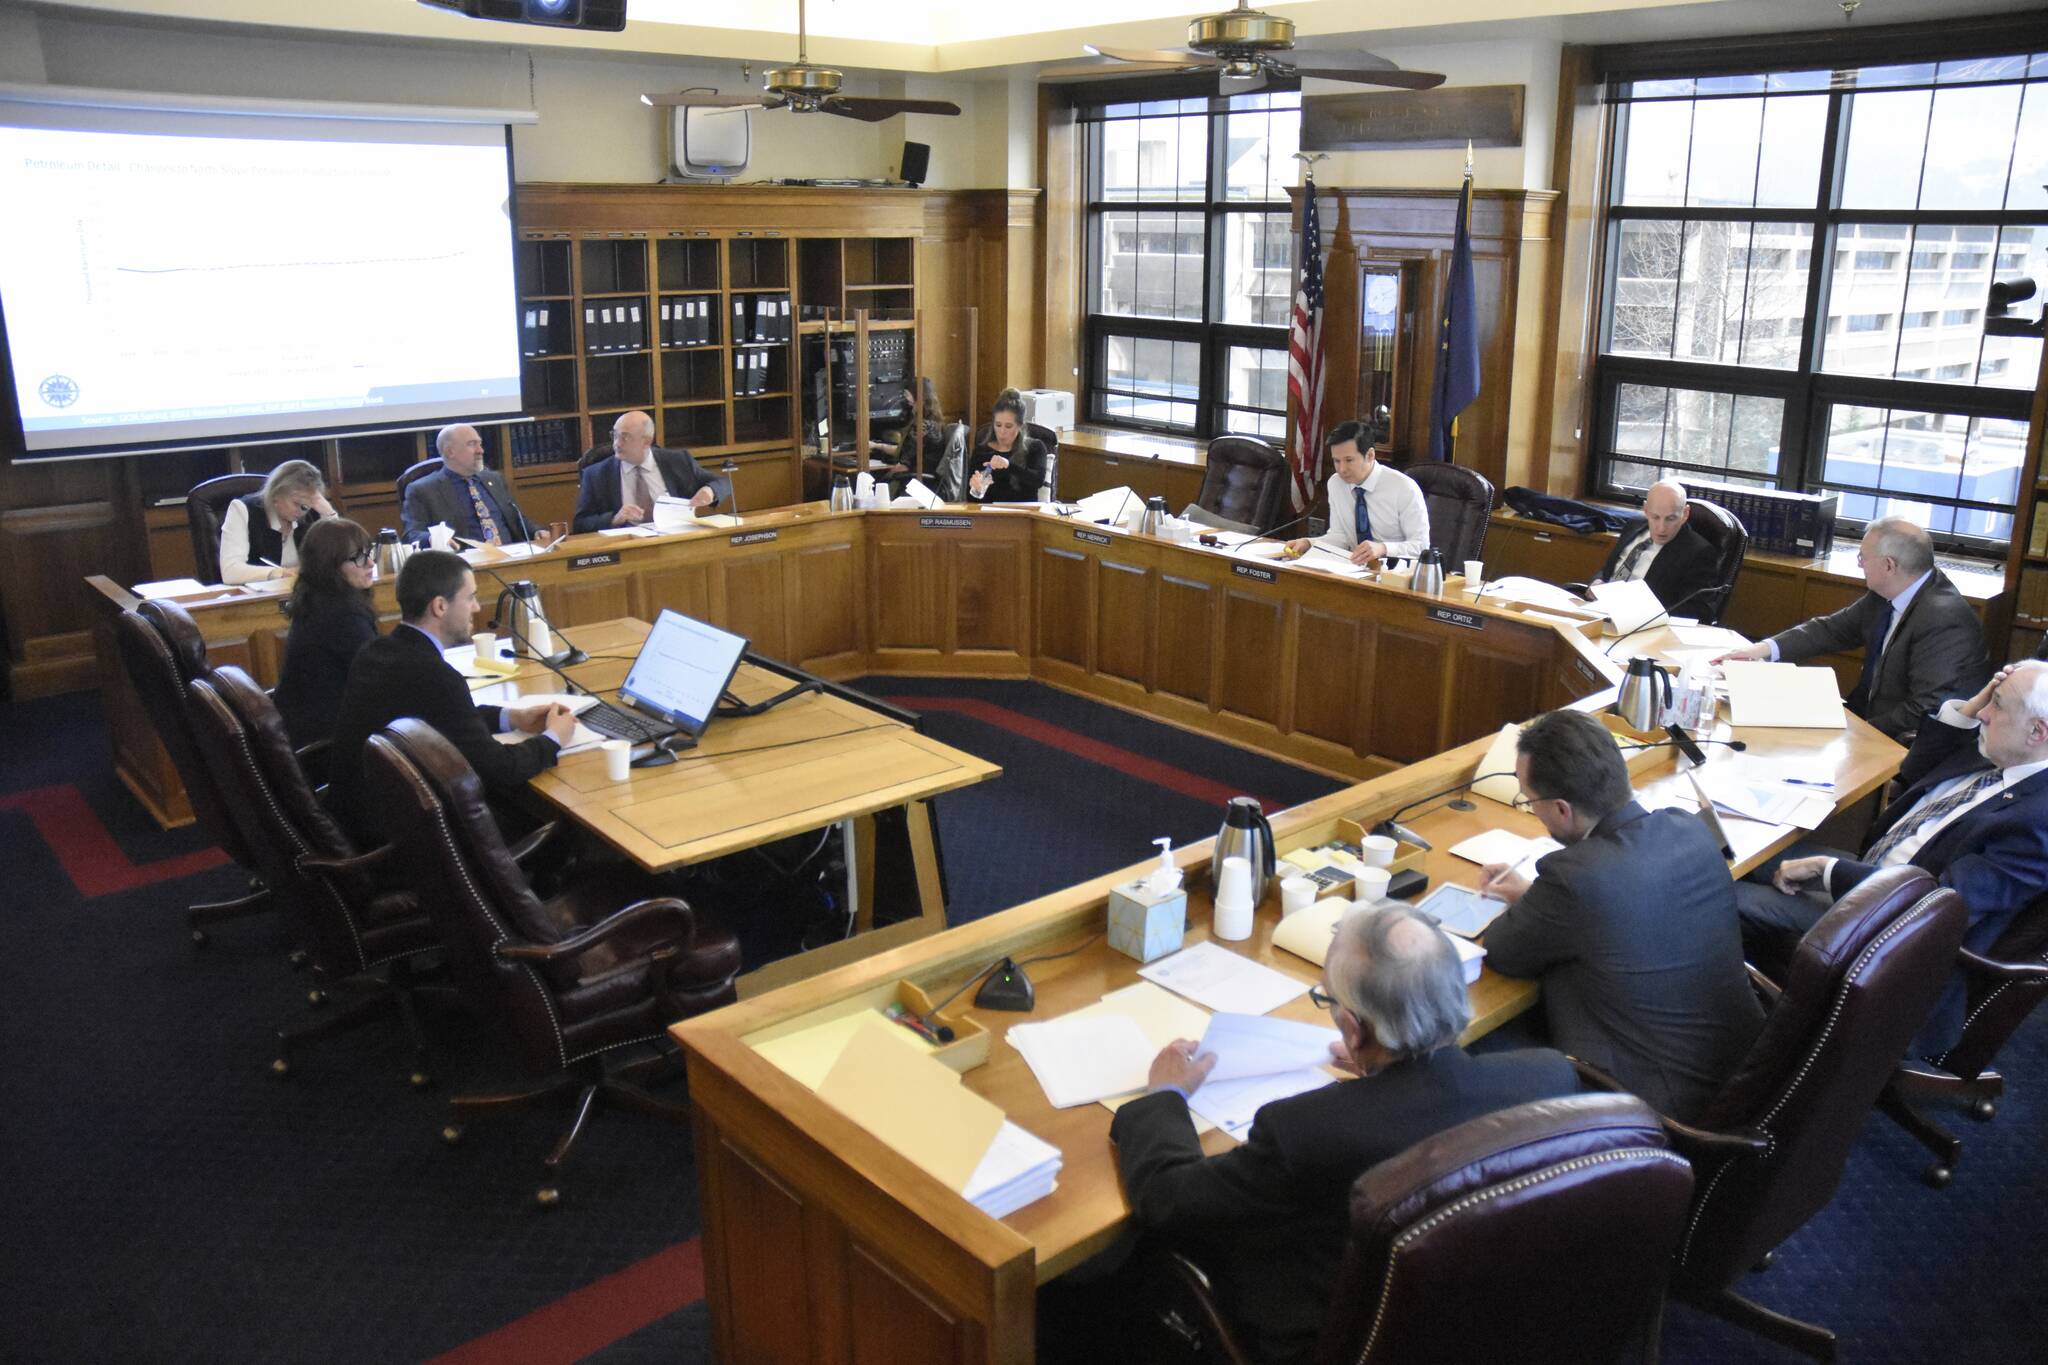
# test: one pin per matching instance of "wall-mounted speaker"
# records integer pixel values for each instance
(607, 16)
(917, 162)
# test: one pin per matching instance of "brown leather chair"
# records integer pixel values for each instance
(159, 676)
(594, 454)
(2003, 986)
(1769, 1148)
(413, 474)
(1723, 530)
(1460, 501)
(1245, 482)
(366, 933)
(576, 982)
(206, 503)
(1559, 1216)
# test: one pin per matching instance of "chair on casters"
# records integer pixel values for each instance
(159, 675)
(367, 935)
(578, 982)
(206, 505)
(1768, 1150)
(1048, 491)
(1560, 1216)
(1244, 483)
(2003, 985)
(1723, 530)
(1460, 502)
(412, 475)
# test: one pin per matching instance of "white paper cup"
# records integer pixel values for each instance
(486, 645)
(1233, 919)
(1296, 893)
(1372, 884)
(618, 759)
(1377, 850)
(1475, 573)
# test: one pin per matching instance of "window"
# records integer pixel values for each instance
(1190, 262)
(1797, 263)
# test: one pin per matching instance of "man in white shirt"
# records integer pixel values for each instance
(1972, 811)
(1375, 512)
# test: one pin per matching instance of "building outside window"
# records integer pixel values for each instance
(1797, 269)
(1190, 263)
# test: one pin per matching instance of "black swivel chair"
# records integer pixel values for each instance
(1730, 539)
(1460, 502)
(1245, 483)
(206, 504)
(414, 474)
(1047, 437)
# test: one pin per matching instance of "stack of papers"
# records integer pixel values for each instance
(1018, 1169)
(1771, 802)
(674, 514)
(1503, 846)
(1222, 980)
(1531, 590)
(1630, 605)
(1081, 1058)
(1259, 1060)
(1783, 696)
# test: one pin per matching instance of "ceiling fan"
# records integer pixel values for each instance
(806, 89)
(1246, 48)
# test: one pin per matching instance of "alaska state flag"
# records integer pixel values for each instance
(1457, 356)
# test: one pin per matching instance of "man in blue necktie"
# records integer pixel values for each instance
(1375, 512)
(470, 497)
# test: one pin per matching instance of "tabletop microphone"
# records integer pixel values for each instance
(570, 654)
(1392, 824)
(1273, 534)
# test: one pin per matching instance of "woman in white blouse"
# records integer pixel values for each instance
(260, 533)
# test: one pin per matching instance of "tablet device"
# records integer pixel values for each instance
(1461, 910)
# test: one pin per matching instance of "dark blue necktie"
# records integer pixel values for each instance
(1873, 654)
(1364, 516)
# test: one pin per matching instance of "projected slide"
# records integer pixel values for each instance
(158, 286)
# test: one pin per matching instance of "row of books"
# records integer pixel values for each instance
(687, 322)
(2037, 536)
(2032, 602)
(537, 335)
(750, 372)
(1778, 522)
(531, 443)
(614, 327)
(758, 317)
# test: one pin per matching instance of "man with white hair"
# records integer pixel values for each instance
(1675, 560)
(1922, 642)
(1972, 810)
(1271, 1216)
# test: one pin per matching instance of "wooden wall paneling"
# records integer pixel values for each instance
(1551, 553)
(594, 595)
(889, 1321)
(1410, 672)
(47, 551)
(1532, 348)
(1084, 471)
(827, 612)
(1254, 645)
(949, 289)
(1578, 170)
(169, 552)
(1183, 644)
(767, 1305)
(1332, 672)
(1066, 607)
(753, 601)
(375, 511)
(1488, 681)
(140, 760)
(1062, 170)
(909, 573)
(1124, 612)
(1024, 335)
(991, 596)
(681, 587)
(764, 480)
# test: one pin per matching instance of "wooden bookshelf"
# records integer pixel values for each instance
(2026, 564)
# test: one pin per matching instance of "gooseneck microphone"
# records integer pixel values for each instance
(1392, 824)
(1664, 617)
(568, 657)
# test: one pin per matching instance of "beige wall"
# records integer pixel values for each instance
(592, 125)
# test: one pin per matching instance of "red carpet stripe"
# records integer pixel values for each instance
(595, 1316)
(87, 853)
(1081, 746)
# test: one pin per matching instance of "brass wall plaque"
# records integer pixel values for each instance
(1484, 115)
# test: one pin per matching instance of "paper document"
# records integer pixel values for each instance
(1111, 505)
(171, 587)
(1223, 980)
(1503, 846)
(1307, 933)
(808, 1054)
(1783, 696)
(643, 530)
(1018, 1169)
(1079, 1059)
(1253, 1045)
(1159, 1014)
(1232, 1105)
(674, 514)
(1496, 771)
(1708, 637)
(1629, 604)
(1531, 590)
(920, 495)
(915, 1104)
(1766, 801)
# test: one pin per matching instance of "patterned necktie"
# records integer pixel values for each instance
(643, 496)
(1364, 516)
(1626, 570)
(1931, 813)
(486, 524)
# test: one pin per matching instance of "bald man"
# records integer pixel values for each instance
(467, 494)
(620, 488)
(1675, 560)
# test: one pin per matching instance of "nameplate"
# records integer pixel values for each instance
(1093, 537)
(946, 523)
(753, 537)
(1585, 672)
(596, 561)
(1254, 571)
(1452, 616)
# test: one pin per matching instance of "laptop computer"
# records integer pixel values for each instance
(675, 683)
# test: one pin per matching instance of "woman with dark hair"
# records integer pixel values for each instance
(921, 444)
(331, 619)
(1007, 465)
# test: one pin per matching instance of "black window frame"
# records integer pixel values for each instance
(1808, 392)
(1212, 337)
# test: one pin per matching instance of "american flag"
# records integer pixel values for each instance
(1305, 356)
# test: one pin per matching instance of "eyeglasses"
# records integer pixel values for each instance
(362, 557)
(1321, 998)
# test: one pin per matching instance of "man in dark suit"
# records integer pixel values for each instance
(470, 497)
(1631, 925)
(1269, 1219)
(404, 674)
(1972, 811)
(1675, 560)
(620, 488)
(1922, 642)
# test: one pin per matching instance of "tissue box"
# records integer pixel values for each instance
(1143, 927)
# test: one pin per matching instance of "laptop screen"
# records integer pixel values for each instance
(683, 669)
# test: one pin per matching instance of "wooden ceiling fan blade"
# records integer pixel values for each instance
(1403, 80)
(1085, 70)
(1190, 60)
(697, 100)
(872, 110)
